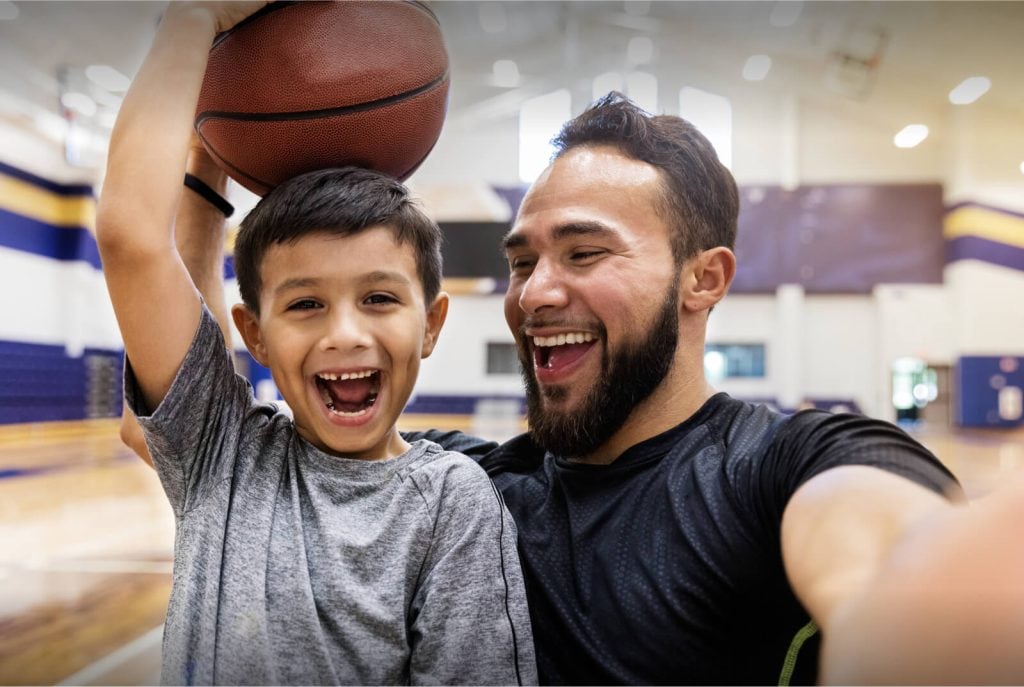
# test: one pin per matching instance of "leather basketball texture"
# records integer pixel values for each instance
(310, 85)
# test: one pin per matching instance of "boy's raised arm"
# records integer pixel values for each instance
(155, 301)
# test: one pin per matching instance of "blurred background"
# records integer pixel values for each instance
(879, 147)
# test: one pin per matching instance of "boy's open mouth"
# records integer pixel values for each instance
(350, 393)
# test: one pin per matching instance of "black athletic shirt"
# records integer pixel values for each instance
(665, 567)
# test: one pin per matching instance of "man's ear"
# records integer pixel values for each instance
(436, 315)
(706, 278)
(248, 326)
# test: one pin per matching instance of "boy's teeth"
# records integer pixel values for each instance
(331, 377)
(562, 339)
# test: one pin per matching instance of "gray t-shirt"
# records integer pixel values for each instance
(293, 566)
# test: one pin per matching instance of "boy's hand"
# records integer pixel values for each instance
(225, 15)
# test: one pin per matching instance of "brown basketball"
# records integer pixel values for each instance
(309, 85)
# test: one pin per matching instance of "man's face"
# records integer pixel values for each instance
(343, 326)
(593, 296)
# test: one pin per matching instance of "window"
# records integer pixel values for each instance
(725, 360)
(502, 359)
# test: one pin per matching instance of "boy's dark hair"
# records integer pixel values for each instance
(341, 202)
(701, 198)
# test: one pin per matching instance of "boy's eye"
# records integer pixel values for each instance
(304, 304)
(380, 299)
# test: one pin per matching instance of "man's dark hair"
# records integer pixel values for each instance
(701, 199)
(340, 202)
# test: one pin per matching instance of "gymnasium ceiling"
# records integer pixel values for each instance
(897, 56)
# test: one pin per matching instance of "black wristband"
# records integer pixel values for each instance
(211, 196)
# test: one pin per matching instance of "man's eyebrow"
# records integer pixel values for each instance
(564, 231)
(581, 229)
(512, 240)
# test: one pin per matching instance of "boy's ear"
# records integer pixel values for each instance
(248, 326)
(436, 315)
(706, 278)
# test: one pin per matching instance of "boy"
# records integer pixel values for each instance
(324, 549)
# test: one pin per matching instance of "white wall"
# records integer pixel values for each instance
(47, 301)
(459, 362)
(988, 308)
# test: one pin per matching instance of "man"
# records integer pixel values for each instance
(668, 533)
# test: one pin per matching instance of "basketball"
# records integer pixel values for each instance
(310, 85)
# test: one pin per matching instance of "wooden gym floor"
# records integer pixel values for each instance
(86, 539)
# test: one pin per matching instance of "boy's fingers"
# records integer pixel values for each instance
(229, 13)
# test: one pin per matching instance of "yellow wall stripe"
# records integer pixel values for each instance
(45, 206)
(984, 223)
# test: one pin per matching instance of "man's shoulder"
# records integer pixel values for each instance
(738, 426)
(436, 471)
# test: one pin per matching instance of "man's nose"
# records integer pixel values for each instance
(545, 288)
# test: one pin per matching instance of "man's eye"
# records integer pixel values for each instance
(586, 255)
(519, 264)
(304, 304)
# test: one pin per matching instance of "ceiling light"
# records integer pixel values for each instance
(79, 102)
(506, 73)
(785, 13)
(8, 10)
(910, 135)
(969, 90)
(757, 67)
(107, 77)
(640, 50)
(105, 98)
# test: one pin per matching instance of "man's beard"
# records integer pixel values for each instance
(625, 381)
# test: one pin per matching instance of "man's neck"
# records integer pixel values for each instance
(673, 402)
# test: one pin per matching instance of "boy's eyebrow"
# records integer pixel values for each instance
(374, 277)
(582, 228)
(295, 283)
(385, 275)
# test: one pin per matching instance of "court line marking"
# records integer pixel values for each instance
(104, 566)
(16, 472)
(95, 672)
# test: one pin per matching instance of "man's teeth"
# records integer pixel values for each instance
(345, 375)
(562, 339)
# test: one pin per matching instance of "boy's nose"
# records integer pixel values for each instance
(345, 331)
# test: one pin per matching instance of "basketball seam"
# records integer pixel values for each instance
(224, 161)
(315, 114)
